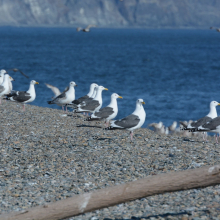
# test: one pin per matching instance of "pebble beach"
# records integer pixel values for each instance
(49, 155)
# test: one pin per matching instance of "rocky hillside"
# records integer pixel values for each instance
(111, 13)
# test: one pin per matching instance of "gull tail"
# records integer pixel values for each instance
(111, 128)
(91, 119)
(50, 102)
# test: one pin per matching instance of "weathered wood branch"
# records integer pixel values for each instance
(152, 185)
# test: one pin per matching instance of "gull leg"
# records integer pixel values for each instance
(131, 134)
(216, 138)
(23, 107)
(66, 108)
(0, 101)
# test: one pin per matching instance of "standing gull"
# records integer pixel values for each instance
(108, 113)
(22, 96)
(4, 87)
(131, 122)
(2, 74)
(195, 124)
(211, 126)
(93, 105)
(65, 97)
(85, 98)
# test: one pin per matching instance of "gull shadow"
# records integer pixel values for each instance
(88, 126)
(206, 211)
(153, 216)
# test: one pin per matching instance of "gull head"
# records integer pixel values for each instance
(214, 104)
(115, 96)
(140, 101)
(33, 82)
(2, 72)
(72, 84)
(102, 88)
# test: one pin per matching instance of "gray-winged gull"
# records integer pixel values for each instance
(23, 96)
(195, 124)
(65, 97)
(17, 70)
(85, 98)
(2, 74)
(108, 113)
(211, 126)
(93, 105)
(4, 87)
(131, 122)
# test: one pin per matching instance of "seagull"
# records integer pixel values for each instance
(217, 29)
(85, 98)
(2, 74)
(172, 127)
(195, 124)
(87, 29)
(4, 87)
(157, 126)
(93, 105)
(65, 97)
(22, 96)
(211, 126)
(17, 70)
(131, 122)
(108, 113)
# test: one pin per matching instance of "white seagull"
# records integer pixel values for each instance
(93, 105)
(108, 113)
(23, 96)
(131, 122)
(65, 97)
(211, 126)
(4, 87)
(85, 98)
(2, 74)
(195, 124)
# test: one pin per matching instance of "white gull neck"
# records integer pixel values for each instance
(212, 112)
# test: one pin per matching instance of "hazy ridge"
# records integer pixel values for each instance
(111, 13)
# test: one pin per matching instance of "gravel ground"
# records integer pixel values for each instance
(47, 156)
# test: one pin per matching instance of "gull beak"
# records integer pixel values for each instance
(36, 82)
(105, 89)
(120, 97)
(75, 84)
(218, 103)
(143, 103)
(12, 78)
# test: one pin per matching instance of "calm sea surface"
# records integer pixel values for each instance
(176, 72)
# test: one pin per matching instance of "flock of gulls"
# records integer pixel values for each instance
(91, 105)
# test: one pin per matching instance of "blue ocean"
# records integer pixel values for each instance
(176, 72)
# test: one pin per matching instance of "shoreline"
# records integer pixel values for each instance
(46, 156)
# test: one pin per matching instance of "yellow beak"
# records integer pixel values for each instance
(105, 89)
(36, 82)
(143, 103)
(120, 97)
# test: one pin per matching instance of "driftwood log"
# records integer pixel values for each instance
(152, 185)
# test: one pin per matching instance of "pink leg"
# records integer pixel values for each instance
(66, 108)
(0, 101)
(216, 138)
(23, 108)
(131, 134)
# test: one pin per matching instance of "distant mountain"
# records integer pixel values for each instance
(111, 13)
